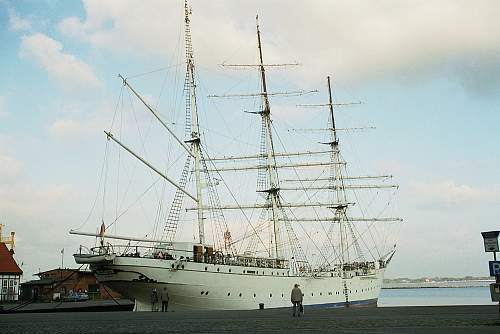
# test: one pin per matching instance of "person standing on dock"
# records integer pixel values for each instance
(164, 302)
(154, 300)
(296, 298)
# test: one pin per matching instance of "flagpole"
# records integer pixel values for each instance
(62, 258)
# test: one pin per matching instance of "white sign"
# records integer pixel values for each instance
(491, 245)
(490, 241)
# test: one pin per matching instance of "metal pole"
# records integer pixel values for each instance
(498, 282)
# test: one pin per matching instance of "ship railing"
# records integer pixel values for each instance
(188, 256)
(352, 269)
(363, 268)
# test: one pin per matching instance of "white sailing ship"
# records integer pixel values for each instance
(271, 257)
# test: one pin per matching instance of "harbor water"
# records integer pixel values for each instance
(435, 296)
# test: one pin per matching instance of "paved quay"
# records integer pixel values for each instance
(431, 319)
(80, 306)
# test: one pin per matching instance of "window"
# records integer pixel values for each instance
(202, 292)
(270, 295)
(205, 268)
(229, 270)
(218, 269)
(254, 295)
(229, 294)
(240, 294)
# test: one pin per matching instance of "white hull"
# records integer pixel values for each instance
(203, 286)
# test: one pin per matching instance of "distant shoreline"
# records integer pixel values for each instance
(435, 285)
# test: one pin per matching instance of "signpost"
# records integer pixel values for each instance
(494, 268)
(491, 245)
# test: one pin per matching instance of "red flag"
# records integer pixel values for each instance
(103, 229)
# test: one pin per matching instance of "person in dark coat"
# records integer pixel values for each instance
(164, 302)
(296, 299)
(154, 300)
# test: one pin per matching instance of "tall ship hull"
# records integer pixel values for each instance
(190, 285)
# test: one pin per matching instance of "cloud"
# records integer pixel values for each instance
(42, 211)
(72, 27)
(81, 119)
(66, 69)
(64, 128)
(448, 194)
(17, 23)
(352, 40)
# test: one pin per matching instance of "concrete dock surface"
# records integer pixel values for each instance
(428, 319)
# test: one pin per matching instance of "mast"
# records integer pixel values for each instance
(273, 190)
(336, 181)
(191, 107)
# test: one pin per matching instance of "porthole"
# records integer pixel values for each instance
(312, 294)
(321, 293)
(202, 292)
(229, 294)
(206, 268)
(272, 272)
(254, 295)
(229, 270)
(240, 294)
(257, 272)
(282, 296)
(218, 269)
(243, 271)
(206, 293)
(270, 295)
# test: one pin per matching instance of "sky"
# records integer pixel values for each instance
(427, 72)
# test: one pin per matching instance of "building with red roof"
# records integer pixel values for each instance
(10, 275)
